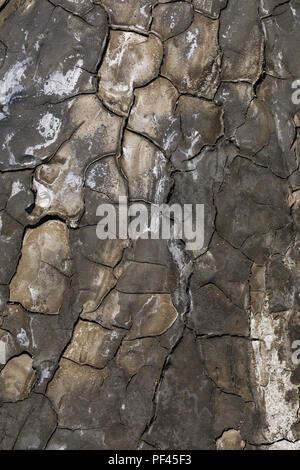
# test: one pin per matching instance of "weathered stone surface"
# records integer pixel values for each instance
(241, 41)
(93, 345)
(8, 348)
(192, 59)
(157, 99)
(280, 155)
(105, 177)
(59, 184)
(75, 382)
(235, 99)
(11, 233)
(195, 187)
(212, 313)
(146, 169)
(133, 355)
(42, 275)
(227, 268)
(154, 318)
(116, 310)
(225, 360)
(201, 125)
(183, 392)
(171, 19)
(159, 278)
(16, 379)
(282, 30)
(143, 315)
(49, 55)
(261, 210)
(136, 15)
(230, 440)
(211, 8)
(79, 7)
(159, 344)
(93, 282)
(18, 421)
(84, 242)
(131, 60)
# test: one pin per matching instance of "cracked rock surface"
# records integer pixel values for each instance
(145, 344)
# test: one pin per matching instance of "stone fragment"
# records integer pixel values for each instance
(231, 411)
(212, 313)
(160, 280)
(230, 440)
(11, 233)
(235, 99)
(93, 282)
(16, 322)
(171, 19)
(226, 360)
(59, 184)
(153, 317)
(45, 265)
(153, 114)
(241, 41)
(86, 244)
(227, 268)
(136, 15)
(150, 251)
(115, 311)
(146, 314)
(105, 177)
(131, 60)
(258, 208)
(254, 135)
(93, 345)
(133, 355)
(146, 169)
(74, 383)
(280, 289)
(87, 439)
(201, 125)
(192, 59)
(8, 348)
(16, 196)
(17, 379)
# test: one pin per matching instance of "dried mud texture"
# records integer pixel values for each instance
(121, 344)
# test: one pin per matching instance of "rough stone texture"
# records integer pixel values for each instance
(131, 61)
(16, 379)
(146, 169)
(45, 265)
(144, 344)
(192, 59)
